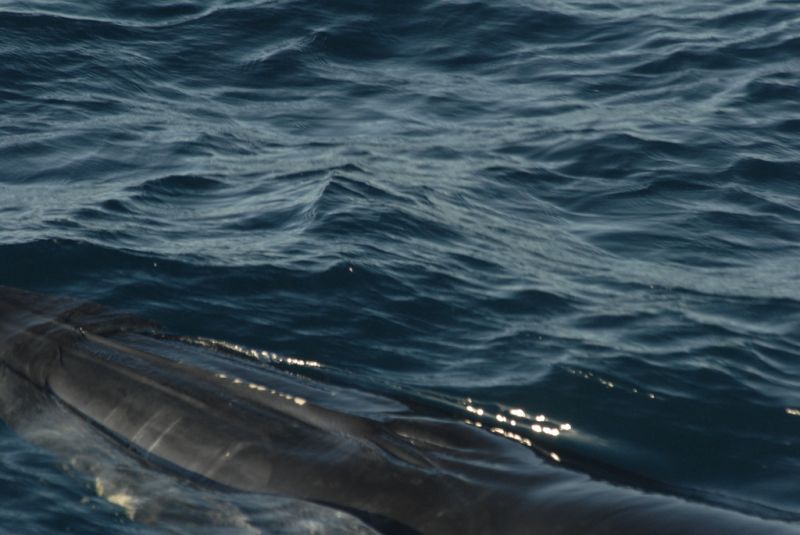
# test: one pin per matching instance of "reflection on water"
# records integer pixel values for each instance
(261, 388)
(513, 423)
(240, 350)
(609, 384)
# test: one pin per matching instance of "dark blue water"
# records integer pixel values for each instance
(586, 210)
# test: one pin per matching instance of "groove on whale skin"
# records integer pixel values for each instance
(269, 433)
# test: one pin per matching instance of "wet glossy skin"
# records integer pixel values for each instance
(264, 431)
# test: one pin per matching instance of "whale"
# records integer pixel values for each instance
(245, 425)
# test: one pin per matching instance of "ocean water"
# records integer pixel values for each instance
(585, 210)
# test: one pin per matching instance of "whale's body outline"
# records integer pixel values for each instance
(402, 473)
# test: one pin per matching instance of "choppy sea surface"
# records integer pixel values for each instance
(585, 210)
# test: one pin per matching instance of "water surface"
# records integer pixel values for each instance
(584, 210)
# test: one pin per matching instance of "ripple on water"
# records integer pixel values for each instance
(586, 210)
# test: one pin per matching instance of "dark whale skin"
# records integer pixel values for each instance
(415, 474)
